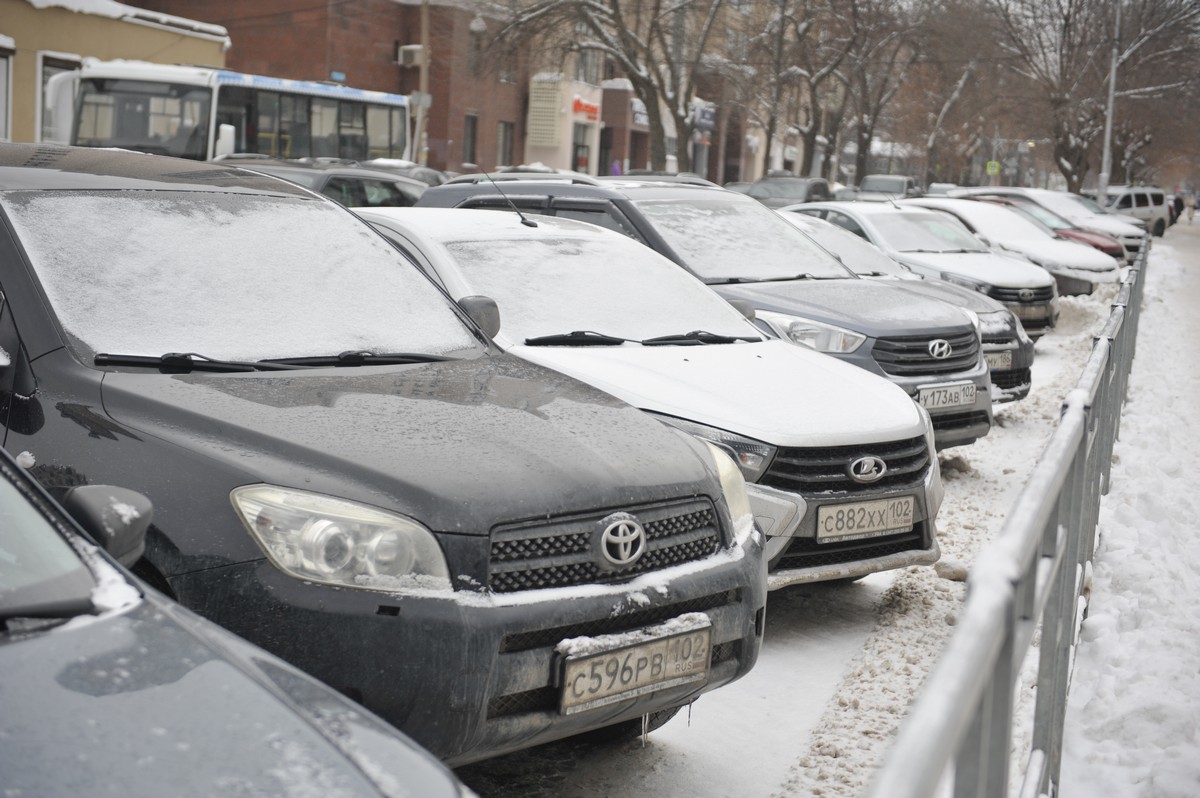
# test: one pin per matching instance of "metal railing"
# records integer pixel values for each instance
(1035, 576)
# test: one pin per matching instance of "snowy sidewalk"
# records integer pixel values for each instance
(1133, 719)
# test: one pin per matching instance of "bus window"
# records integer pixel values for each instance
(268, 123)
(352, 131)
(294, 139)
(324, 128)
(153, 117)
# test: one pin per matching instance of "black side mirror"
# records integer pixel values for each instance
(484, 311)
(744, 307)
(116, 518)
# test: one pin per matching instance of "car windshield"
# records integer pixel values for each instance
(1091, 204)
(228, 275)
(863, 257)
(1000, 223)
(611, 285)
(1041, 215)
(1067, 204)
(736, 238)
(925, 232)
(40, 574)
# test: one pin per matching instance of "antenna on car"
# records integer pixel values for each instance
(511, 204)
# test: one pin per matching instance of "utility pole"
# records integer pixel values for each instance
(1106, 161)
(423, 88)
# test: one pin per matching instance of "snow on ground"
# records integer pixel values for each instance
(841, 663)
(1133, 719)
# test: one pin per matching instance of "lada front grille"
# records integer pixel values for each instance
(822, 470)
(562, 552)
(1036, 296)
(911, 355)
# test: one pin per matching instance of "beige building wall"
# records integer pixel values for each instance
(58, 35)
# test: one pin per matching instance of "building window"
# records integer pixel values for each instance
(588, 63)
(48, 67)
(581, 153)
(504, 144)
(470, 136)
(6, 95)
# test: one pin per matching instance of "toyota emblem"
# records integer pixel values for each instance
(623, 541)
(1025, 294)
(868, 469)
(940, 348)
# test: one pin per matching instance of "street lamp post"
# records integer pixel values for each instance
(1106, 160)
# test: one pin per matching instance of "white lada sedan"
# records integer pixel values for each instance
(843, 471)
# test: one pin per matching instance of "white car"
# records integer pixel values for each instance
(841, 464)
(1077, 268)
(1079, 210)
(935, 245)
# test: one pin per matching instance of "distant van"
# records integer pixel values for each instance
(1145, 202)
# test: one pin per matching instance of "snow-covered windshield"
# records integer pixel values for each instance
(1001, 223)
(925, 231)
(863, 257)
(1067, 204)
(228, 276)
(611, 285)
(735, 237)
(1041, 215)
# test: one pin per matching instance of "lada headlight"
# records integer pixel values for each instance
(751, 456)
(966, 282)
(733, 486)
(813, 334)
(339, 542)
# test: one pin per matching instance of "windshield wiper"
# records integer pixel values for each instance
(576, 338)
(698, 337)
(186, 362)
(355, 358)
(58, 608)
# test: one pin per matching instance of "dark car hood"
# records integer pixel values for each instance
(458, 446)
(958, 295)
(136, 704)
(868, 306)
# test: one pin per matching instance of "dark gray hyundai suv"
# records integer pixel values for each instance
(347, 472)
(799, 291)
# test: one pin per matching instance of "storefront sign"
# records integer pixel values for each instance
(590, 109)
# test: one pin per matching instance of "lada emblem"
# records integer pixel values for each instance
(623, 540)
(1025, 294)
(868, 469)
(940, 348)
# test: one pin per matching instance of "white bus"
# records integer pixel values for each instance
(204, 112)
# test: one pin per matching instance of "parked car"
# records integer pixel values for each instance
(799, 292)
(112, 689)
(426, 174)
(1007, 349)
(1079, 210)
(345, 469)
(775, 192)
(888, 187)
(1077, 269)
(935, 245)
(1148, 203)
(343, 181)
(1060, 225)
(842, 465)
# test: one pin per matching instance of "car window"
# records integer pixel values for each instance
(609, 284)
(38, 568)
(818, 192)
(601, 217)
(925, 232)
(227, 275)
(733, 237)
(1157, 198)
(1124, 201)
(846, 223)
(1143, 199)
(860, 255)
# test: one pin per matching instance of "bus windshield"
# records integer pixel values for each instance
(143, 115)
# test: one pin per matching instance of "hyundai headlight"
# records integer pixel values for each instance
(733, 486)
(813, 334)
(966, 282)
(751, 456)
(339, 542)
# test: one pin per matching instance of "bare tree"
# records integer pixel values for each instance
(658, 44)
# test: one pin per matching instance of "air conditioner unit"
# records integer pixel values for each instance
(409, 55)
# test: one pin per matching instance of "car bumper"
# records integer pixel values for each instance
(471, 675)
(798, 557)
(961, 425)
(1011, 366)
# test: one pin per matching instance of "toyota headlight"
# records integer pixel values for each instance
(339, 542)
(751, 456)
(813, 334)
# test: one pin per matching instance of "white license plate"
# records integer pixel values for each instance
(864, 519)
(938, 397)
(612, 676)
(1031, 312)
(998, 360)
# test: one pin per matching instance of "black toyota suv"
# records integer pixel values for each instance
(798, 290)
(344, 468)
